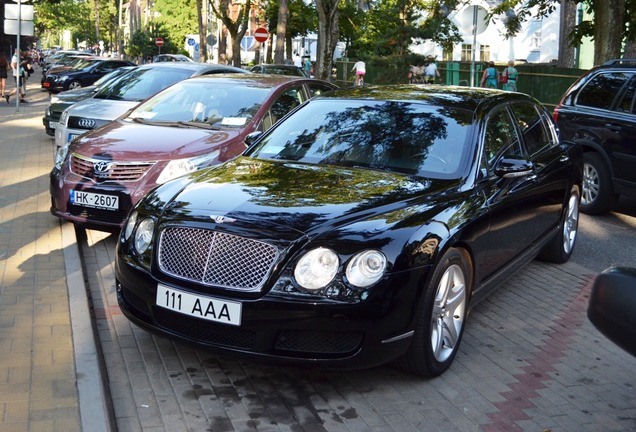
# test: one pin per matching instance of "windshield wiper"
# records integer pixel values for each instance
(199, 125)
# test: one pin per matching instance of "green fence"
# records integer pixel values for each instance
(544, 82)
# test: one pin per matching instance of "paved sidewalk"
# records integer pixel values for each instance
(50, 378)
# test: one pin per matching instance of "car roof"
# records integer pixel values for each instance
(256, 80)
(460, 97)
(199, 68)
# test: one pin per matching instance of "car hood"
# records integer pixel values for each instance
(101, 109)
(125, 140)
(295, 196)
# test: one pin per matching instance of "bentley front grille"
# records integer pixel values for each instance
(215, 259)
(101, 170)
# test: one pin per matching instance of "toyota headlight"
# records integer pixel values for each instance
(60, 156)
(317, 268)
(366, 268)
(178, 167)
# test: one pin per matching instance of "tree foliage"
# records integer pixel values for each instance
(177, 19)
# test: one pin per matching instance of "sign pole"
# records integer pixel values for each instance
(17, 78)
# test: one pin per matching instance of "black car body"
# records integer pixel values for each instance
(82, 74)
(358, 230)
(60, 101)
(599, 113)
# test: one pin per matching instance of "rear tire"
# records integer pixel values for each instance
(598, 194)
(441, 314)
(559, 249)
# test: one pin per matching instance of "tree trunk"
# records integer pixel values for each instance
(629, 51)
(328, 34)
(281, 30)
(270, 50)
(568, 20)
(609, 19)
(203, 50)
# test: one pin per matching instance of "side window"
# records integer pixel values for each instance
(316, 89)
(602, 89)
(283, 104)
(532, 127)
(626, 103)
(500, 139)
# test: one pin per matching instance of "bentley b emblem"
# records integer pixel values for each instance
(221, 219)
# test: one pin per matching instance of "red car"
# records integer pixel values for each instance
(193, 124)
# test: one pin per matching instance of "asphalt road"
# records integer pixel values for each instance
(608, 240)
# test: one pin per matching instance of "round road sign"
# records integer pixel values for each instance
(159, 41)
(261, 34)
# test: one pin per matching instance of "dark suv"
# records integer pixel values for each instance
(599, 112)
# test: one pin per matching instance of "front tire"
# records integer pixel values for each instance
(598, 194)
(559, 249)
(441, 314)
(74, 84)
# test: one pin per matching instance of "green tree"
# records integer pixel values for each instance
(236, 28)
(177, 19)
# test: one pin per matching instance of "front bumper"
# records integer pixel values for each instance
(279, 327)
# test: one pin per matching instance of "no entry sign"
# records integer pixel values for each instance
(261, 34)
(159, 42)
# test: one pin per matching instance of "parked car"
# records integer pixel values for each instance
(612, 306)
(172, 58)
(83, 73)
(61, 58)
(60, 101)
(195, 123)
(118, 97)
(279, 69)
(358, 230)
(599, 113)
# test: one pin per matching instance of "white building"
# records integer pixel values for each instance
(537, 42)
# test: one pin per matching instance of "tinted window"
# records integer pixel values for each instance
(410, 138)
(140, 84)
(501, 138)
(626, 104)
(532, 127)
(602, 89)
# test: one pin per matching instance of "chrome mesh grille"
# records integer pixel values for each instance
(213, 258)
(101, 170)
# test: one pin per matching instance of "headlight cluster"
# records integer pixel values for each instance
(178, 167)
(142, 232)
(318, 267)
(60, 156)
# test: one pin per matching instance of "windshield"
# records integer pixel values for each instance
(406, 137)
(83, 64)
(203, 101)
(112, 75)
(142, 83)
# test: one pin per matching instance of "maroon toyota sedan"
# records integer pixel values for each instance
(193, 124)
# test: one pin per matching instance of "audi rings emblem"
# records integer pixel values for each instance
(101, 167)
(86, 123)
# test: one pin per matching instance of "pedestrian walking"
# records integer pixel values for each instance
(431, 74)
(361, 69)
(510, 77)
(4, 70)
(18, 64)
(490, 76)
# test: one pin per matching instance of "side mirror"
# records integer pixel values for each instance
(252, 137)
(612, 307)
(510, 168)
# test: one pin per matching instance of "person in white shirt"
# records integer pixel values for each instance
(17, 66)
(431, 74)
(361, 70)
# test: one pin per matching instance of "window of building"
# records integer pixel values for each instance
(467, 52)
(484, 52)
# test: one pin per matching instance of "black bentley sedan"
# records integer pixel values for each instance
(359, 230)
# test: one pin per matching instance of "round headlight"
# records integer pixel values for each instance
(366, 268)
(316, 268)
(130, 225)
(143, 235)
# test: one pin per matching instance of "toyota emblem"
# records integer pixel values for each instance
(101, 167)
(86, 123)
